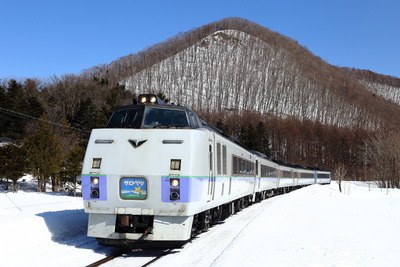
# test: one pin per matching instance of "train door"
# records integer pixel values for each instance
(258, 175)
(295, 178)
(211, 177)
(257, 182)
(278, 177)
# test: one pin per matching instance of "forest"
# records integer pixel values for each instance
(261, 88)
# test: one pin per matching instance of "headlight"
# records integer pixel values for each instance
(143, 99)
(94, 187)
(94, 180)
(153, 99)
(174, 182)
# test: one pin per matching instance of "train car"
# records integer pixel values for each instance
(323, 177)
(158, 174)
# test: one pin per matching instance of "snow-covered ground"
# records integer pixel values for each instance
(313, 226)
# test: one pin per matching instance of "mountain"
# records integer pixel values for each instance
(234, 65)
(385, 86)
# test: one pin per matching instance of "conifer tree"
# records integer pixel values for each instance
(13, 163)
(44, 153)
(263, 138)
(73, 165)
(222, 126)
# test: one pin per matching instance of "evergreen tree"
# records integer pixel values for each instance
(14, 98)
(3, 96)
(263, 138)
(88, 116)
(44, 153)
(3, 114)
(3, 168)
(73, 166)
(13, 127)
(242, 135)
(12, 163)
(252, 137)
(222, 126)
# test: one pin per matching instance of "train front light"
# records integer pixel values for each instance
(153, 99)
(149, 99)
(143, 99)
(174, 182)
(94, 180)
(94, 187)
(174, 191)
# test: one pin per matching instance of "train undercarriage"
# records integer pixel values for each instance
(141, 224)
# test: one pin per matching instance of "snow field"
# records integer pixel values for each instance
(313, 226)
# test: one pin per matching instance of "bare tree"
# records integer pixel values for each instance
(339, 174)
(383, 150)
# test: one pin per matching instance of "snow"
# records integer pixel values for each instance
(313, 226)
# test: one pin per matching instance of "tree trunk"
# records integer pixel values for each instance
(44, 185)
(15, 185)
(53, 183)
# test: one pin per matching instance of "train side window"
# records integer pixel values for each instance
(256, 167)
(219, 158)
(224, 161)
(267, 171)
(243, 167)
(211, 165)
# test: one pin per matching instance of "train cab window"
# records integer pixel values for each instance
(126, 118)
(193, 121)
(148, 117)
(158, 117)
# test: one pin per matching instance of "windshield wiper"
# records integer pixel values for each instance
(168, 126)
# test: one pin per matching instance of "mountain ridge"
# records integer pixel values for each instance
(232, 63)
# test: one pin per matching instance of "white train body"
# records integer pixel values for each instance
(148, 184)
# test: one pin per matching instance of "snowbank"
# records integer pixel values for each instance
(313, 226)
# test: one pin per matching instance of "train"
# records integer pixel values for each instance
(159, 175)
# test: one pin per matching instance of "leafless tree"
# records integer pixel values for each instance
(339, 174)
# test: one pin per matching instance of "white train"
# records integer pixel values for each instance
(157, 174)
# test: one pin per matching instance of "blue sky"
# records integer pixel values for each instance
(43, 38)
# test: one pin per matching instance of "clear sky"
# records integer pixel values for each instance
(41, 38)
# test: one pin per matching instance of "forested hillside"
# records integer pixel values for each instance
(256, 85)
(234, 64)
(385, 86)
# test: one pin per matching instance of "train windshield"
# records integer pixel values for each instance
(148, 117)
(126, 118)
(157, 117)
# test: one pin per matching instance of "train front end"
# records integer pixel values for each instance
(136, 175)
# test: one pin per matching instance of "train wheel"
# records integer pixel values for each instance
(238, 205)
(205, 220)
(195, 226)
(216, 215)
(227, 210)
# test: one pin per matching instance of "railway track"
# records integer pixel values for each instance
(149, 258)
(104, 260)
